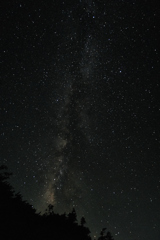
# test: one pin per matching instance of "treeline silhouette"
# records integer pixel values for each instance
(19, 220)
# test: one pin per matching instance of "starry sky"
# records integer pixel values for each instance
(79, 110)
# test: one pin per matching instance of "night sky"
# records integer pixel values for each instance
(79, 110)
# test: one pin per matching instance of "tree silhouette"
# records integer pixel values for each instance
(83, 221)
(16, 215)
(19, 219)
(49, 210)
(72, 217)
(104, 235)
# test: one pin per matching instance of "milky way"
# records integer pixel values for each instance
(66, 178)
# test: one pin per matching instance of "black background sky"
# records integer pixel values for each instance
(79, 106)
